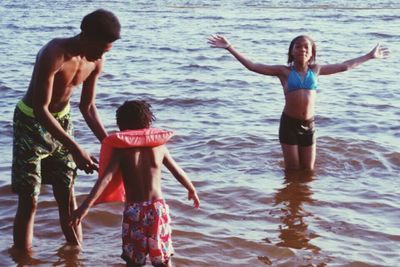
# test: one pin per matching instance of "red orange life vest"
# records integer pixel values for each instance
(149, 137)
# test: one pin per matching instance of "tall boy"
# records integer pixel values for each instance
(44, 150)
(146, 222)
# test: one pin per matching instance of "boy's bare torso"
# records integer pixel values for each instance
(141, 172)
(63, 70)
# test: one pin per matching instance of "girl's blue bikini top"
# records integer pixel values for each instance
(295, 82)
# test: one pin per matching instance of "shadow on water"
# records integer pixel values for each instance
(290, 199)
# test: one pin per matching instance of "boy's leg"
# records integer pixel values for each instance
(28, 149)
(62, 168)
(59, 170)
(160, 240)
(24, 221)
(66, 205)
(134, 234)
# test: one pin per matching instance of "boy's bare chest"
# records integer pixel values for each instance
(74, 72)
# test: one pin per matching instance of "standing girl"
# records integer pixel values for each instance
(299, 82)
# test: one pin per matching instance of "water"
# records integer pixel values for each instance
(226, 119)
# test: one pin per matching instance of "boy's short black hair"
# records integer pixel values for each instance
(101, 25)
(134, 114)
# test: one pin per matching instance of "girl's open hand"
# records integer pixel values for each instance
(379, 52)
(192, 195)
(218, 41)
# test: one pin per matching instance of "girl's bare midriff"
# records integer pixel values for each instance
(300, 104)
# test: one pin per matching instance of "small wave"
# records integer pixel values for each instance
(380, 107)
(169, 49)
(12, 27)
(383, 35)
(196, 67)
(7, 130)
(390, 18)
(202, 57)
(107, 76)
(189, 102)
(236, 83)
(193, 6)
(185, 82)
(213, 18)
(141, 82)
(47, 28)
(6, 90)
(333, 6)
(353, 156)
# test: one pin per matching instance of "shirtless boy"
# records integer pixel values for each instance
(44, 151)
(146, 222)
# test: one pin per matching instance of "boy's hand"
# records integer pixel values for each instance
(192, 195)
(218, 41)
(78, 215)
(84, 161)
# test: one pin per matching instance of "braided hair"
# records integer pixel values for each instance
(134, 114)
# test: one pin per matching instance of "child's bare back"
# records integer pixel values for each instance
(141, 172)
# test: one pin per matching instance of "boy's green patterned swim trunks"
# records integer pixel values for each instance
(38, 158)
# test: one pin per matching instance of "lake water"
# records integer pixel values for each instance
(226, 121)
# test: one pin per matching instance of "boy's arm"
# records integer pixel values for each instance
(219, 41)
(377, 52)
(48, 63)
(181, 176)
(97, 189)
(87, 104)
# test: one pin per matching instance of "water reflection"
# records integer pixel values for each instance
(23, 258)
(290, 199)
(68, 255)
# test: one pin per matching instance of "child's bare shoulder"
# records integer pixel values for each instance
(54, 52)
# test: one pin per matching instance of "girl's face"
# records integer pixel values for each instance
(302, 50)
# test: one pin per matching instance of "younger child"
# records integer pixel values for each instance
(299, 82)
(146, 222)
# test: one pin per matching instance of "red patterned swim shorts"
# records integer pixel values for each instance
(146, 230)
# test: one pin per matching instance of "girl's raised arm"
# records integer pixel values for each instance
(377, 52)
(219, 41)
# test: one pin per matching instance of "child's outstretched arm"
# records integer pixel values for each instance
(181, 176)
(96, 191)
(219, 41)
(377, 52)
